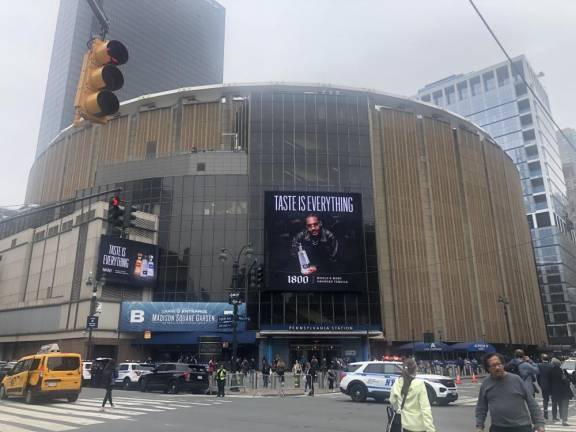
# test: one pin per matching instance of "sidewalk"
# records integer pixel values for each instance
(270, 392)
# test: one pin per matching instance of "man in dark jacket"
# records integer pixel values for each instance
(560, 391)
(544, 381)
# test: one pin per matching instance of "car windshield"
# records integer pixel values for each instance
(353, 367)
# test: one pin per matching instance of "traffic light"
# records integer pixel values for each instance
(115, 217)
(129, 217)
(260, 276)
(234, 298)
(99, 77)
(253, 278)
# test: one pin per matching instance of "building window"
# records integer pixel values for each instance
(13, 244)
(438, 98)
(450, 95)
(543, 219)
(201, 166)
(426, 98)
(540, 202)
(529, 135)
(530, 221)
(151, 150)
(531, 151)
(537, 185)
(475, 86)
(520, 89)
(462, 90)
(503, 76)
(489, 81)
(526, 120)
(523, 106)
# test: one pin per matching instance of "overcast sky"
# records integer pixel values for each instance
(395, 46)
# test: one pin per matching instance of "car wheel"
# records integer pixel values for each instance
(143, 386)
(126, 383)
(29, 397)
(431, 395)
(3, 394)
(173, 387)
(358, 393)
(72, 398)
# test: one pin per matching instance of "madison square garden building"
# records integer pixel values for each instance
(375, 217)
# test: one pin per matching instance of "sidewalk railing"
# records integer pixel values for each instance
(273, 383)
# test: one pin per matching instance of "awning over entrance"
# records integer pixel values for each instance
(425, 347)
(191, 338)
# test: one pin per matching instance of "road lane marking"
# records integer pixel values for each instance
(54, 427)
(5, 427)
(65, 411)
(66, 419)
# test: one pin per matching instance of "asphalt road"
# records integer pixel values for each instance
(154, 412)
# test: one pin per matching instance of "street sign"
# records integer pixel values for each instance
(92, 322)
(225, 325)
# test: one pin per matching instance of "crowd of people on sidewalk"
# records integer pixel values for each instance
(508, 395)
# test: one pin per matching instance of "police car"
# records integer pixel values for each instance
(374, 379)
(130, 373)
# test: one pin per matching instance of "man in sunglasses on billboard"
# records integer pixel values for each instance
(315, 247)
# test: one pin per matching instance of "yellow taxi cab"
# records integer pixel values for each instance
(50, 374)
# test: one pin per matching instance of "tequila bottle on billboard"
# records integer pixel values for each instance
(144, 265)
(151, 266)
(304, 261)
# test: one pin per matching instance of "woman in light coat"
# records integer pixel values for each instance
(416, 414)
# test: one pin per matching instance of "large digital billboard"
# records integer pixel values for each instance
(180, 317)
(314, 241)
(127, 262)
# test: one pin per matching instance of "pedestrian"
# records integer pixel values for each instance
(307, 377)
(523, 366)
(415, 409)
(544, 369)
(560, 391)
(511, 405)
(280, 371)
(107, 378)
(221, 379)
(211, 366)
(331, 378)
(312, 372)
(265, 373)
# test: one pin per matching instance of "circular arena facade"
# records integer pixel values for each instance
(444, 233)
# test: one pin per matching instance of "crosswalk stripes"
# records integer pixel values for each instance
(62, 417)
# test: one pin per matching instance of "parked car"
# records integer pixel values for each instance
(375, 379)
(5, 367)
(175, 377)
(130, 373)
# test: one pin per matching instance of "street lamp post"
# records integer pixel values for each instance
(93, 303)
(234, 297)
(505, 302)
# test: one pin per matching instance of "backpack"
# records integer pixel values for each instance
(512, 367)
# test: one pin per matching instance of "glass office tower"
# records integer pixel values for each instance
(497, 99)
(171, 44)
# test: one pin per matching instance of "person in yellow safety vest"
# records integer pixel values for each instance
(221, 380)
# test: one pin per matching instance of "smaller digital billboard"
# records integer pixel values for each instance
(314, 241)
(127, 262)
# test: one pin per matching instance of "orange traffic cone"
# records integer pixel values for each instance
(474, 378)
(458, 379)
